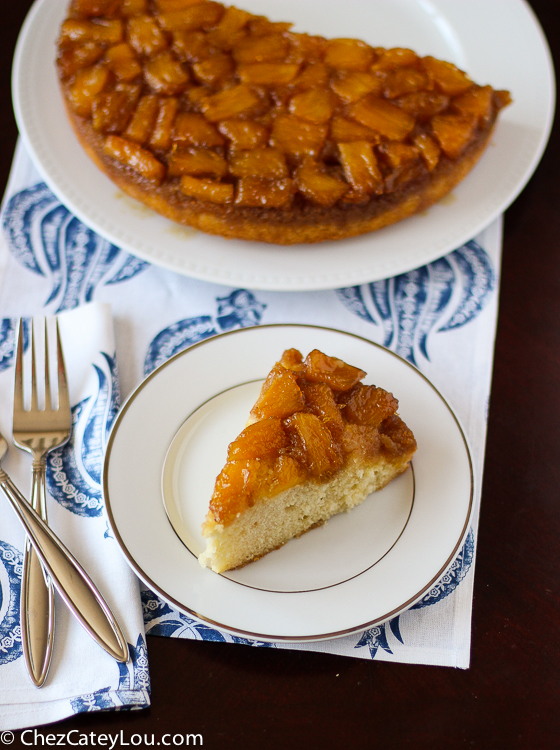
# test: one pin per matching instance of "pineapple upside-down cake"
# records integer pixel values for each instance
(318, 441)
(234, 124)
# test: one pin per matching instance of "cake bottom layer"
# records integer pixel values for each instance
(272, 522)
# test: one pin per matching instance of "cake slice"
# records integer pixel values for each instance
(318, 441)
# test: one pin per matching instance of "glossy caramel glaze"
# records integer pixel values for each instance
(312, 417)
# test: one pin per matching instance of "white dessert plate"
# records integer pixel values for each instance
(169, 442)
(496, 42)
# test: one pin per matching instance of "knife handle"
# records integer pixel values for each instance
(69, 578)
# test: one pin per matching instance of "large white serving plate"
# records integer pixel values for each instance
(169, 442)
(495, 41)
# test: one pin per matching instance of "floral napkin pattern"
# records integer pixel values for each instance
(82, 677)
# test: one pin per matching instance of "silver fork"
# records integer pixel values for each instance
(39, 431)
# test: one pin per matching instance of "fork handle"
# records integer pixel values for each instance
(37, 594)
(70, 579)
(37, 616)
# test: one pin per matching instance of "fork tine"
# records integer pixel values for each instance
(18, 383)
(63, 395)
(34, 399)
(48, 399)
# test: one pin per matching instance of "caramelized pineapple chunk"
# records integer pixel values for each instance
(353, 85)
(95, 7)
(145, 35)
(320, 400)
(280, 395)
(192, 18)
(260, 25)
(267, 74)
(312, 444)
(292, 359)
(404, 81)
(338, 375)
(88, 84)
(361, 440)
(453, 133)
(446, 76)
(368, 405)
(142, 123)
(191, 46)
(501, 99)
(197, 96)
(313, 75)
(195, 130)
(235, 488)
(165, 75)
(225, 42)
(269, 163)
(429, 150)
(396, 438)
(400, 176)
(199, 162)
(348, 54)
(423, 104)
(213, 70)
(72, 59)
(314, 105)
(360, 167)
(243, 134)
(343, 130)
(207, 190)
(391, 59)
(317, 185)
(268, 48)
(74, 30)
(397, 154)
(134, 156)
(257, 192)
(286, 473)
(306, 48)
(383, 117)
(229, 103)
(163, 128)
(262, 439)
(169, 6)
(122, 61)
(133, 7)
(230, 29)
(233, 19)
(476, 102)
(297, 137)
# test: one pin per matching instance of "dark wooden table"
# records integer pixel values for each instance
(236, 696)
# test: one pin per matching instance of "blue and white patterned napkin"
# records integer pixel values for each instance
(441, 317)
(82, 676)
